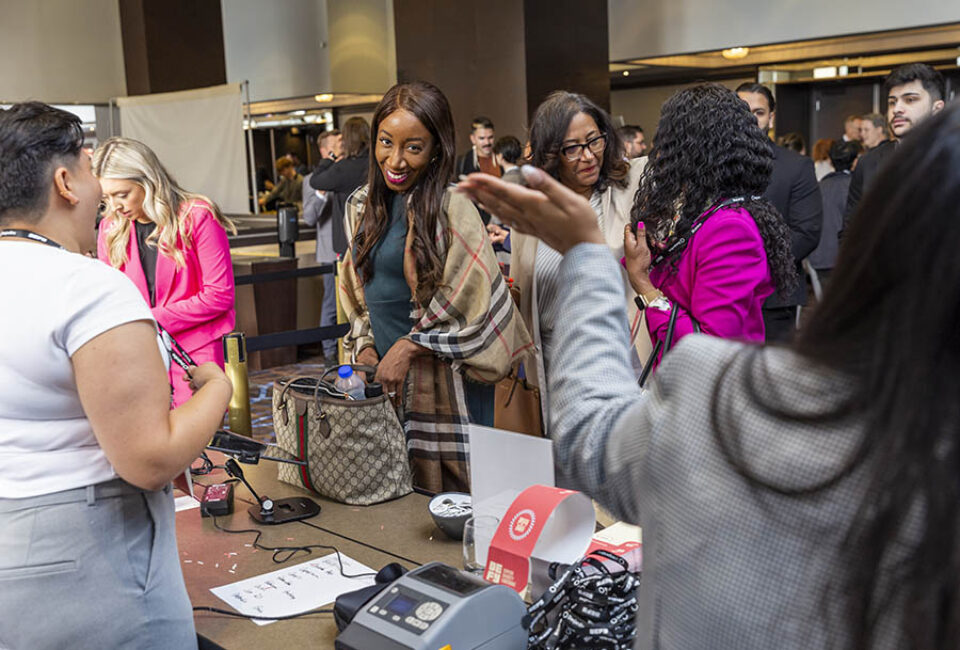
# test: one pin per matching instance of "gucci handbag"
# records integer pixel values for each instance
(355, 450)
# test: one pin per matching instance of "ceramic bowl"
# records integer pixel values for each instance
(450, 511)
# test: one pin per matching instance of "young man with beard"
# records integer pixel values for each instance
(914, 92)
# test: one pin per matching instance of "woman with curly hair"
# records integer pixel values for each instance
(718, 248)
(574, 141)
(421, 287)
(173, 245)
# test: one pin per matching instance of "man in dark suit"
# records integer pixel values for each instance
(913, 92)
(793, 190)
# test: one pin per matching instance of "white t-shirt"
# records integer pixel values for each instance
(52, 302)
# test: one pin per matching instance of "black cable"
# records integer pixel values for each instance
(291, 551)
(226, 612)
(277, 553)
(206, 465)
(357, 541)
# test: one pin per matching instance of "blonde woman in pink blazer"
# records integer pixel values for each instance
(173, 245)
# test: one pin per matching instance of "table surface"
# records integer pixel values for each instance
(397, 531)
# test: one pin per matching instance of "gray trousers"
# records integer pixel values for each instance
(95, 567)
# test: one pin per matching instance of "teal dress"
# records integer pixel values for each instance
(389, 306)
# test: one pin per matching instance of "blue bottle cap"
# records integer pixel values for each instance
(345, 371)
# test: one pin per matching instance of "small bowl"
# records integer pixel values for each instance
(450, 511)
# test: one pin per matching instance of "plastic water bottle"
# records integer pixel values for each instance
(349, 383)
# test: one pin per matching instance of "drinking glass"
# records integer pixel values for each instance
(477, 535)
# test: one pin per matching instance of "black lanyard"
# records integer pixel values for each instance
(177, 353)
(681, 243)
(29, 234)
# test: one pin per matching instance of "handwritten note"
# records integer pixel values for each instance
(294, 589)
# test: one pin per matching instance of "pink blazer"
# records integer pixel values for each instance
(722, 279)
(194, 303)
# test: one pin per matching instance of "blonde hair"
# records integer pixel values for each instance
(163, 201)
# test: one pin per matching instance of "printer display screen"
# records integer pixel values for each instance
(450, 579)
(401, 605)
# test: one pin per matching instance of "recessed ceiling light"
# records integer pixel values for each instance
(735, 52)
(626, 73)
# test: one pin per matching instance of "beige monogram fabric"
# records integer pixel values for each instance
(356, 451)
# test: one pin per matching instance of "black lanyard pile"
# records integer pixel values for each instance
(587, 606)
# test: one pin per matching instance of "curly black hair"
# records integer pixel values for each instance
(708, 148)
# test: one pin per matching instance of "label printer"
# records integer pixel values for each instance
(437, 607)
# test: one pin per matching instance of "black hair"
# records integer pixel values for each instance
(34, 139)
(629, 132)
(549, 127)
(900, 555)
(793, 141)
(842, 154)
(752, 87)
(708, 147)
(508, 148)
(931, 80)
(430, 106)
(481, 122)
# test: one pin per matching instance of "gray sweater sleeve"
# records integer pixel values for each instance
(600, 420)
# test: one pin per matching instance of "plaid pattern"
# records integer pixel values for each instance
(471, 325)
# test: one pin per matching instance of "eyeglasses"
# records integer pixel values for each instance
(573, 151)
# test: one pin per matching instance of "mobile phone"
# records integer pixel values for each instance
(247, 449)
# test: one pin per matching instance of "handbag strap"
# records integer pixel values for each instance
(665, 344)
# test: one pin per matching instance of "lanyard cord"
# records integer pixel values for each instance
(681, 243)
(29, 234)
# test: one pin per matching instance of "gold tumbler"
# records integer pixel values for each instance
(235, 367)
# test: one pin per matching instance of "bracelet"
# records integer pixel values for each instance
(660, 303)
(650, 298)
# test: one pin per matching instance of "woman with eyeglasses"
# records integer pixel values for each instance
(574, 140)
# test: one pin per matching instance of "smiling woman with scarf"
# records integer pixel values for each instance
(422, 289)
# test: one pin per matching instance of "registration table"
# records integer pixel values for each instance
(397, 531)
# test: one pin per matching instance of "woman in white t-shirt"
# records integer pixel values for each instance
(88, 444)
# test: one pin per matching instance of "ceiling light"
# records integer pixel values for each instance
(626, 73)
(324, 97)
(734, 53)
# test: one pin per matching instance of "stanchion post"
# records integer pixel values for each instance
(341, 317)
(235, 367)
